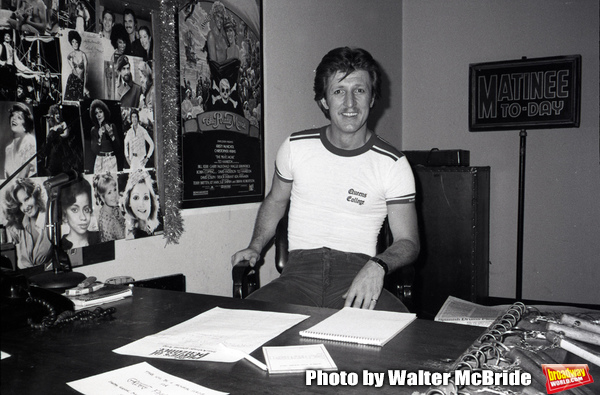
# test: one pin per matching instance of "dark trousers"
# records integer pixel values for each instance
(319, 278)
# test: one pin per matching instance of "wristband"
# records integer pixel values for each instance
(380, 263)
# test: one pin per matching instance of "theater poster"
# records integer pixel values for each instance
(221, 102)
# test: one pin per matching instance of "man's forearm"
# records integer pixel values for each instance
(269, 215)
(400, 253)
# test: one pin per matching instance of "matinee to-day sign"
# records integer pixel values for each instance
(525, 94)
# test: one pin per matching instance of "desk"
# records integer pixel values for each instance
(44, 361)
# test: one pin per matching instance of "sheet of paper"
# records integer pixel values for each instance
(291, 359)
(458, 311)
(199, 338)
(5, 355)
(139, 379)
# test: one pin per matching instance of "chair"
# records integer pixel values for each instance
(246, 279)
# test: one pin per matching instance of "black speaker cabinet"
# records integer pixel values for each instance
(453, 209)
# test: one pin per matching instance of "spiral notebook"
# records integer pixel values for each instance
(372, 327)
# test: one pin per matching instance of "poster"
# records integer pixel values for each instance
(221, 102)
(76, 101)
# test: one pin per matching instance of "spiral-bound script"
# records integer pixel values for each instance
(352, 325)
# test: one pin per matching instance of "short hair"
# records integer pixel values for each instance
(69, 193)
(101, 183)
(97, 103)
(345, 60)
(74, 35)
(108, 11)
(27, 115)
(12, 208)
(129, 11)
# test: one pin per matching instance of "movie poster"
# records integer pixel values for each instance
(221, 102)
(76, 104)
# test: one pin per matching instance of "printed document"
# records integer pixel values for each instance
(214, 335)
(139, 379)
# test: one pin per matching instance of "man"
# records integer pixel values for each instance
(136, 140)
(108, 21)
(30, 17)
(130, 22)
(128, 91)
(341, 181)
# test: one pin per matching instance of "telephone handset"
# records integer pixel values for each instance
(24, 304)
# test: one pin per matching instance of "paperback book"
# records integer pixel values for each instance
(106, 294)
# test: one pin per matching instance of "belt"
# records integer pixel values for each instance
(106, 154)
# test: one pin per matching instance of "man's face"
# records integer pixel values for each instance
(107, 23)
(126, 73)
(349, 101)
(129, 23)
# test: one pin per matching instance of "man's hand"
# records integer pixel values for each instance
(366, 287)
(248, 254)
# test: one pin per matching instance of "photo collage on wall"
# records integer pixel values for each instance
(77, 99)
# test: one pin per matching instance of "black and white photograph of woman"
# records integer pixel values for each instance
(82, 65)
(24, 208)
(17, 140)
(76, 89)
(77, 210)
(103, 136)
(62, 141)
(141, 206)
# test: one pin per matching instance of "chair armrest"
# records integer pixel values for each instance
(246, 279)
(400, 283)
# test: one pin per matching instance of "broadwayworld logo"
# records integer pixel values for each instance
(565, 377)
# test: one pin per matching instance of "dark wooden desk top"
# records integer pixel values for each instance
(44, 361)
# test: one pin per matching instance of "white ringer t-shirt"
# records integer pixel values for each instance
(339, 197)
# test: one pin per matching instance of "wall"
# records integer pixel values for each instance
(562, 213)
(439, 39)
(296, 34)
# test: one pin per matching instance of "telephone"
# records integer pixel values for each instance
(24, 304)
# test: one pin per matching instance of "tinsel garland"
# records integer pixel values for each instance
(171, 180)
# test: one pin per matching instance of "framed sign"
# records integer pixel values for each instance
(537, 93)
(220, 59)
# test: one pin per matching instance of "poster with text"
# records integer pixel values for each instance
(221, 102)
